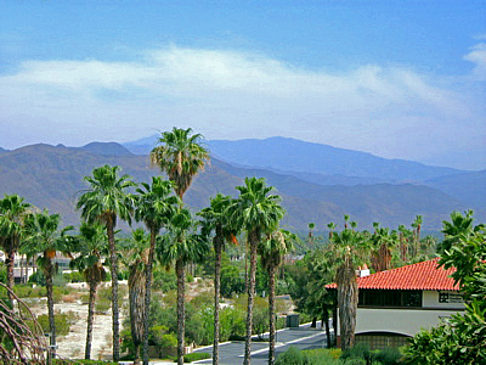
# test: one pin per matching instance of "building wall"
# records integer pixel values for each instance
(442, 299)
(401, 321)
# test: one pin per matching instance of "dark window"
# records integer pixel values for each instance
(390, 298)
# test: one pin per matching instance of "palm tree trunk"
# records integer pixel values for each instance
(148, 288)
(50, 306)
(91, 306)
(271, 313)
(9, 260)
(114, 290)
(217, 290)
(136, 287)
(335, 323)
(246, 267)
(253, 240)
(325, 318)
(347, 302)
(181, 312)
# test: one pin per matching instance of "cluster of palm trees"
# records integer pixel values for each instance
(175, 237)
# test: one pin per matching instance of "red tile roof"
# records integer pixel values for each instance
(420, 276)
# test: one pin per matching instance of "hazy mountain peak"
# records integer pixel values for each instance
(106, 149)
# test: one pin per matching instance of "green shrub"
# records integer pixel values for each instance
(164, 280)
(359, 351)
(38, 278)
(27, 291)
(168, 345)
(189, 278)
(63, 322)
(102, 305)
(293, 356)
(195, 356)
(322, 356)
(388, 356)
(74, 277)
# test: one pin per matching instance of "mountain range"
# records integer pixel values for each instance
(318, 183)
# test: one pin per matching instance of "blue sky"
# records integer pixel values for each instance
(398, 79)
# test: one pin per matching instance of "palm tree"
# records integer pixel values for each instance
(181, 156)
(460, 226)
(258, 212)
(417, 224)
(383, 241)
(90, 246)
(105, 201)
(349, 249)
(12, 212)
(182, 245)
(215, 219)
(331, 226)
(45, 237)
(135, 257)
(272, 251)
(404, 233)
(154, 206)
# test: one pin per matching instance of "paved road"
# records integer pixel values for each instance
(303, 337)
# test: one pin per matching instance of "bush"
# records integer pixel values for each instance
(74, 277)
(195, 356)
(388, 356)
(27, 291)
(38, 278)
(63, 322)
(359, 351)
(293, 356)
(164, 280)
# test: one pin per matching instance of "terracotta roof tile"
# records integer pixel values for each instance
(420, 276)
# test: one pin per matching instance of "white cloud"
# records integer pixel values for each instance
(229, 94)
(478, 57)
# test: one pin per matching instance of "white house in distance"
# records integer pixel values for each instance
(395, 304)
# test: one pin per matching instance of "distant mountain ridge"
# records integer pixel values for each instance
(52, 177)
(288, 154)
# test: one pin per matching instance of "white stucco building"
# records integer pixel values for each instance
(396, 304)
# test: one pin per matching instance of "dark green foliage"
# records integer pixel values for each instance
(460, 340)
(387, 356)
(293, 356)
(360, 351)
(38, 278)
(164, 280)
(231, 281)
(195, 356)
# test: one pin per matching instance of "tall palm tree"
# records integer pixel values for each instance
(417, 224)
(383, 241)
(107, 199)
(258, 212)
(349, 248)
(181, 245)
(272, 251)
(215, 219)
(181, 156)
(154, 205)
(134, 257)
(45, 237)
(90, 247)
(12, 212)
